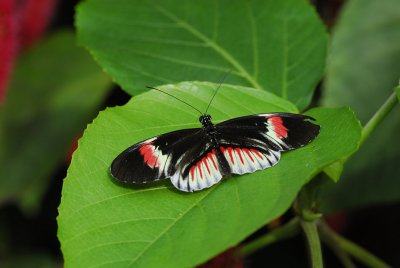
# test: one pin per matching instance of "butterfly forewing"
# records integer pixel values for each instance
(277, 131)
(154, 159)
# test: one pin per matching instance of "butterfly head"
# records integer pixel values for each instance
(205, 120)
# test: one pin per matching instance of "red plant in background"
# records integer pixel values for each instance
(226, 259)
(338, 222)
(35, 18)
(22, 22)
(8, 43)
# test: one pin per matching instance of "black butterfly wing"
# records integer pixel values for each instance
(186, 156)
(280, 131)
(254, 142)
(155, 158)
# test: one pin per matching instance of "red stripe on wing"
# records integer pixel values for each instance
(206, 164)
(212, 159)
(239, 152)
(198, 165)
(230, 155)
(280, 130)
(249, 154)
(257, 153)
(147, 151)
(192, 170)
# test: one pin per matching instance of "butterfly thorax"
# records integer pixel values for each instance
(209, 128)
(205, 120)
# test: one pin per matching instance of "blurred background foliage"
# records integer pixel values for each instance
(44, 112)
(50, 89)
(363, 68)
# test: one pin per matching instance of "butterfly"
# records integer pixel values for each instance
(197, 158)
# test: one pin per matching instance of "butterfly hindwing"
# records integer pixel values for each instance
(200, 168)
(245, 159)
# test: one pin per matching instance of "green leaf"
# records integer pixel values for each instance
(102, 223)
(362, 72)
(55, 91)
(279, 46)
(398, 92)
(335, 170)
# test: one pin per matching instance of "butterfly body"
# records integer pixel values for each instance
(195, 159)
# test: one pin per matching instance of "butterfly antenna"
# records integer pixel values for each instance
(219, 86)
(175, 98)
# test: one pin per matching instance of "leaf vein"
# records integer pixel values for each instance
(157, 77)
(111, 198)
(221, 51)
(253, 27)
(170, 226)
(112, 224)
(183, 62)
(110, 244)
(168, 42)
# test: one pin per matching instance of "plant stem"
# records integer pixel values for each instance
(330, 240)
(377, 118)
(314, 245)
(286, 231)
(359, 253)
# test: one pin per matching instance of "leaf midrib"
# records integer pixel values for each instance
(225, 54)
(254, 39)
(285, 56)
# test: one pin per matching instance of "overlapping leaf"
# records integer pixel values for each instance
(102, 223)
(278, 46)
